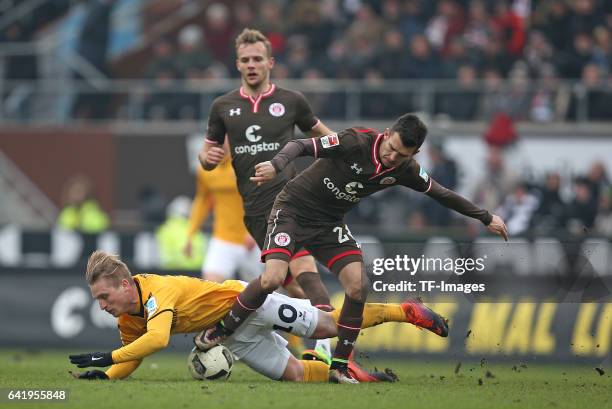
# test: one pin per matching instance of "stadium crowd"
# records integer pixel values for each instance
(506, 56)
(478, 43)
(475, 42)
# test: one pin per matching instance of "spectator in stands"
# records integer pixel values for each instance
(390, 59)
(462, 104)
(243, 14)
(413, 21)
(509, 27)
(456, 57)
(585, 16)
(598, 177)
(603, 221)
(582, 210)
(192, 57)
(92, 47)
(309, 22)
(553, 17)
(219, 33)
(551, 213)
(494, 99)
(449, 22)
(162, 59)
(571, 63)
(493, 56)
(594, 102)
(319, 101)
(423, 62)
(271, 22)
(478, 28)
(443, 170)
(538, 53)
(376, 104)
(602, 52)
(518, 209)
(297, 56)
(81, 211)
(172, 238)
(366, 26)
(550, 97)
(520, 93)
(163, 102)
(496, 182)
(191, 63)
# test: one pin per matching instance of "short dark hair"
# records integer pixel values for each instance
(411, 129)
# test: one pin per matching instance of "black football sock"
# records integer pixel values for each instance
(250, 299)
(349, 325)
(315, 290)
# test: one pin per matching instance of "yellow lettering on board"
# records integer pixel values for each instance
(487, 326)
(518, 333)
(543, 340)
(582, 340)
(604, 329)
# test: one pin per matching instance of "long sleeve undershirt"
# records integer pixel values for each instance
(444, 196)
(156, 338)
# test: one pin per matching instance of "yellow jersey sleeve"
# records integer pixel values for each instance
(123, 370)
(201, 205)
(156, 337)
(129, 331)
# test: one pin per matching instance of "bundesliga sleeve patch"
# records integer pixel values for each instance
(151, 305)
(423, 174)
(330, 140)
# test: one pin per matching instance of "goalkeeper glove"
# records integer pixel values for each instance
(93, 359)
(90, 375)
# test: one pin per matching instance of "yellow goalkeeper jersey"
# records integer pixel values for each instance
(216, 190)
(169, 305)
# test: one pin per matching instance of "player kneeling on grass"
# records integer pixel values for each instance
(151, 307)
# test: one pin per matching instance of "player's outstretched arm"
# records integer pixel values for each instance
(117, 371)
(156, 338)
(455, 201)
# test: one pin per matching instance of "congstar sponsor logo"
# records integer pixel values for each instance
(340, 195)
(257, 148)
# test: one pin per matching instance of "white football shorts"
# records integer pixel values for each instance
(226, 258)
(258, 345)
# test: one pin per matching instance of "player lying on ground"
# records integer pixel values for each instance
(151, 307)
(309, 212)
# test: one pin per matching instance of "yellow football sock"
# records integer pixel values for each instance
(296, 344)
(375, 314)
(315, 371)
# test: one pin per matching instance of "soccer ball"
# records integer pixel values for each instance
(216, 363)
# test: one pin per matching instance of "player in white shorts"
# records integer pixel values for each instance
(231, 249)
(226, 259)
(150, 308)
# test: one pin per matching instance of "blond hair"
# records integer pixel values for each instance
(252, 36)
(108, 266)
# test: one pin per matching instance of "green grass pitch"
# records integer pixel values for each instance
(163, 381)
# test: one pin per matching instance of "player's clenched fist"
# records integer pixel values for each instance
(264, 172)
(92, 359)
(211, 157)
